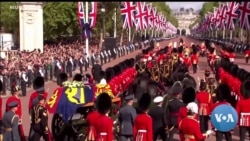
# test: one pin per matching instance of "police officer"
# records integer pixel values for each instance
(86, 62)
(126, 119)
(106, 56)
(29, 75)
(109, 55)
(92, 58)
(69, 67)
(10, 123)
(24, 80)
(115, 53)
(101, 57)
(81, 63)
(39, 122)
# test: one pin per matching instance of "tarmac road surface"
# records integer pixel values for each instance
(50, 86)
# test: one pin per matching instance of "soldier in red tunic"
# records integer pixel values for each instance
(194, 61)
(187, 60)
(247, 54)
(243, 110)
(205, 103)
(38, 86)
(91, 119)
(222, 94)
(103, 124)
(189, 127)
(143, 125)
(15, 97)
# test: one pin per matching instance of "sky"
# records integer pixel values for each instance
(178, 5)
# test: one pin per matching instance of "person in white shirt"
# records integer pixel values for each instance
(103, 80)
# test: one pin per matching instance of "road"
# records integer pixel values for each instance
(50, 86)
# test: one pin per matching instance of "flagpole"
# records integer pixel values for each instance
(129, 34)
(87, 21)
(145, 33)
(231, 34)
(223, 33)
(241, 34)
(115, 32)
(152, 34)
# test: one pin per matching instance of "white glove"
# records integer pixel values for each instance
(209, 132)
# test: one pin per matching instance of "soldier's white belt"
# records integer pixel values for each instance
(245, 119)
(103, 134)
(142, 131)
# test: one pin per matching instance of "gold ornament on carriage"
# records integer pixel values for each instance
(165, 70)
(142, 66)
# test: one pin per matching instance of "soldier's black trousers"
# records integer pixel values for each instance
(204, 123)
(194, 68)
(219, 136)
(36, 136)
(162, 134)
(171, 134)
(243, 131)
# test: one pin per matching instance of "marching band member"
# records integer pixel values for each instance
(231, 55)
(222, 93)
(243, 110)
(247, 54)
(173, 109)
(205, 103)
(189, 127)
(186, 60)
(15, 97)
(103, 124)
(143, 130)
(10, 123)
(158, 115)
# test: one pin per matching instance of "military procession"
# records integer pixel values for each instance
(157, 83)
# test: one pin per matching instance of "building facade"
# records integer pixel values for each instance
(185, 18)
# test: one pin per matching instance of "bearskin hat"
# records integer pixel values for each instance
(117, 70)
(203, 85)
(103, 103)
(127, 62)
(62, 77)
(77, 77)
(38, 83)
(188, 95)
(144, 102)
(233, 70)
(245, 76)
(245, 89)
(180, 49)
(227, 65)
(177, 88)
(222, 92)
(102, 74)
(191, 79)
(207, 73)
(109, 73)
(131, 62)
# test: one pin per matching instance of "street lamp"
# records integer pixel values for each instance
(103, 10)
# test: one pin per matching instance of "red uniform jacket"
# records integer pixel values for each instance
(143, 128)
(104, 128)
(33, 96)
(243, 110)
(91, 119)
(186, 61)
(19, 108)
(247, 53)
(180, 55)
(190, 130)
(194, 59)
(205, 103)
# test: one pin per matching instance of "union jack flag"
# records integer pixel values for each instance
(80, 13)
(210, 21)
(154, 18)
(127, 13)
(222, 16)
(93, 14)
(216, 17)
(231, 14)
(150, 16)
(244, 13)
(141, 16)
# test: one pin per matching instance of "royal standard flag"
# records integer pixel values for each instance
(103, 88)
(66, 100)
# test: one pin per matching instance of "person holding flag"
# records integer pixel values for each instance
(15, 97)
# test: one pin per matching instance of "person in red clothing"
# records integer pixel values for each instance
(187, 60)
(103, 124)
(247, 54)
(205, 103)
(15, 97)
(194, 61)
(143, 125)
(91, 119)
(222, 94)
(189, 127)
(38, 85)
(243, 110)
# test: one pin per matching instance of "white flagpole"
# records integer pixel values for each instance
(241, 34)
(115, 32)
(223, 34)
(129, 34)
(231, 34)
(87, 21)
(145, 33)
(152, 34)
